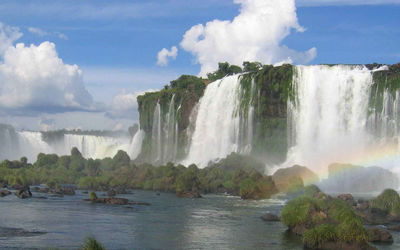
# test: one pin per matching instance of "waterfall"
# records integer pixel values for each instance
(216, 132)
(30, 144)
(136, 145)
(169, 143)
(156, 135)
(328, 120)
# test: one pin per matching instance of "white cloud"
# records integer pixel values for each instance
(344, 2)
(34, 78)
(37, 31)
(164, 54)
(125, 104)
(40, 32)
(8, 35)
(254, 35)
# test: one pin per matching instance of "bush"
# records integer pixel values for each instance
(92, 244)
(298, 211)
(388, 201)
(316, 237)
(92, 196)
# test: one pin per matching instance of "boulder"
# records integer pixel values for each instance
(378, 234)
(4, 193)
(348, 198)
(290, 179)
(270, 217)
(112, 201)
(23, 194)
(66, 190)
(188, 195)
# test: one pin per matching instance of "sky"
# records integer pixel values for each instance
(81, 64)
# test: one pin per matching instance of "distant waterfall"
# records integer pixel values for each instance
(30, 144)
(221, 126)
(329, 119)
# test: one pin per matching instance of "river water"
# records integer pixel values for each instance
(212, 222)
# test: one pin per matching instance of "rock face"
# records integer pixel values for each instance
(270, 217)
(290, 179)
(188, 195)
(23, 194)
(356, 179)
(378, 234)
(4, 193)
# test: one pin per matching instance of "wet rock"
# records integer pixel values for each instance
(394, 228)
(4, 193)
(348, 198)
(270, 217)
(23, 194)
(66, 190)
(293, 178)
(112, 201)
(378, 234)
(188, 195)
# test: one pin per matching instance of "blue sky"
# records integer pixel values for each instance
(115, 45)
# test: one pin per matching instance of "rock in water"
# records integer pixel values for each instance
(23, 194)
(290, 179)
(378, 234)
(270, 217)
(188, 195)
(4, 193)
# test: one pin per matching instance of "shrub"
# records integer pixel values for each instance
(92, 244)
(92, 196)
(316, 237)
(298, 211)
(388, 201)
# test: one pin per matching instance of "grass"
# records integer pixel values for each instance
(92, 244)
(316, 237)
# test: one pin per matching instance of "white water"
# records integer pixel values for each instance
(328, 120)
(216, 131)
(30, 144)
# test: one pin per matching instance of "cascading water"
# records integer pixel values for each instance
(328, 118)
(216, 131)
(156, 142)
(30, 144)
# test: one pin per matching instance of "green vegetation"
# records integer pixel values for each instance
(272, 87)
(234, 175)
(92, 244)
(316, 237)
(388, 201)
(320, 218)
(187, 90)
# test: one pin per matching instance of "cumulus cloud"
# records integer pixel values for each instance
(34, 78)
(164, 54)
(40, 32)
(8, 35)
(124, 105)
(254, 35)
